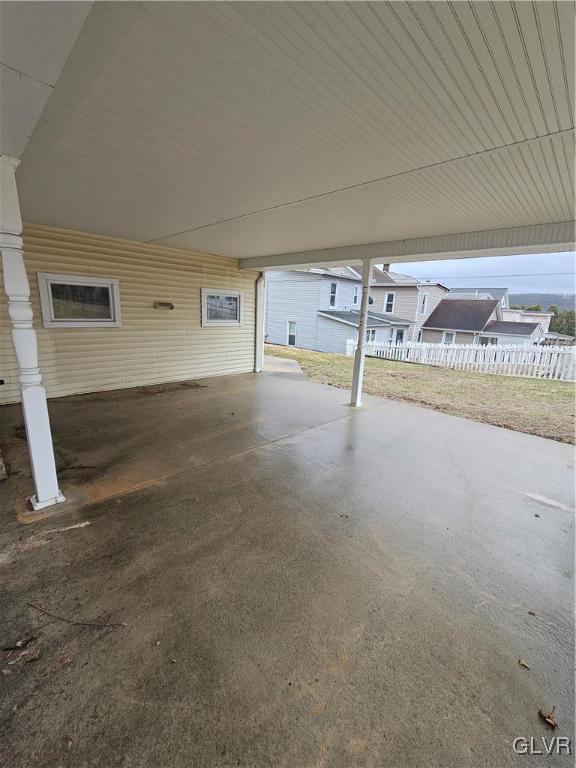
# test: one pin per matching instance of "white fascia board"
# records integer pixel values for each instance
(552, 237)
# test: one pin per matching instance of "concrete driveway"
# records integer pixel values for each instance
(299, 584)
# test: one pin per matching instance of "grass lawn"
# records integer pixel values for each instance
(539, 407)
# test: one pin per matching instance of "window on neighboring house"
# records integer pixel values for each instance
(389, 303)
(399, 336)
(78, 301)
(419, 335)
(291, 333)
(448, 337)
(487, 340)
(333, 289)
(371, 335)
(221, 308)
(356, 295)
(423, 303)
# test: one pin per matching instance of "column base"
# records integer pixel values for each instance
(38, 505)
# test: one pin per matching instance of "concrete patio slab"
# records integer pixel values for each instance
(311, 586)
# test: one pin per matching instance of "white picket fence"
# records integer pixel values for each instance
(538, 362)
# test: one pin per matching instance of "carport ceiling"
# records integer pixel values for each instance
(252, 129)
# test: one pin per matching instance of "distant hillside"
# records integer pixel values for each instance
(563, 301)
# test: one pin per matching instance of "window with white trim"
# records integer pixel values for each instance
(419, 335)
(333, 289)
(221, 308)
(423, 303)
(486, 341)
(356, 294)
(389, 302)
(79, 301)
(371, 335)
(448, 337)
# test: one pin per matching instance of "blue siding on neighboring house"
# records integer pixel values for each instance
(299, 296)
(292, 296)
(344, 294)
(332, 335)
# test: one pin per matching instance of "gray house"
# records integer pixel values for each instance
(477, 321)
(319, 309)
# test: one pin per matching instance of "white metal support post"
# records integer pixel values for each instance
(358, 375)
(260, 322)
(20, 310)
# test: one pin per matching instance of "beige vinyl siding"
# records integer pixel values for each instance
(152, 345)
(405, 302)
(464, 338)
(435, 296)
(431, 335)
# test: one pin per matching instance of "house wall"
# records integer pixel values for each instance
(332, 335)
(292, 296)
(435, 296)
(430, 335)
(405, 303)
(344, 294)
(151, 346)
(505, 340)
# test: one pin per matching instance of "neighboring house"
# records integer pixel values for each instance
(512, 315)
(482, 293)
(477, 321)
(406, 296)
(560, 339)
(320, 308)
(528, 316)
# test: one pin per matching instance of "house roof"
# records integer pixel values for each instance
(512, 328)
(346, 273)
(384, 277)
(462, 314)
(352, 317)
(485, 293)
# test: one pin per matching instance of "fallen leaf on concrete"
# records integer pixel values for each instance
(523, 663)
(173, 661)
(548, 717)
(532, 613)
(65, 660)
(6, 671)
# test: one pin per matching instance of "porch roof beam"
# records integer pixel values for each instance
(538, 238)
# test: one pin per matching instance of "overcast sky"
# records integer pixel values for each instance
(531, 273)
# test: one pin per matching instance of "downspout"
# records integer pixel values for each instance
(260, 321)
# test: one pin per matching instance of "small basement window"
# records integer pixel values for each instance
(221, 308)
(79, 301)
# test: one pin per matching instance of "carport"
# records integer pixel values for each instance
(255, 574)
(282, 134)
